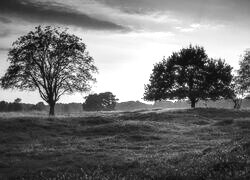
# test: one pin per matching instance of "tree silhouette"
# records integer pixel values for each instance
(40, 106)
(17, 100)
(190, 74)
(50, 60)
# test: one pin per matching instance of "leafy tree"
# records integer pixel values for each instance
(238, 92)
(50, 60)
(92, 103)
(190, 74)
(241, 82)
(100, 102)
(244, 72)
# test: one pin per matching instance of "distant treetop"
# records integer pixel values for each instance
(100, 102)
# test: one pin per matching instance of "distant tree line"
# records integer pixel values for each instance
(94, 102)
(68, 108)
(62, 108)
(137, 105)
(18, 106)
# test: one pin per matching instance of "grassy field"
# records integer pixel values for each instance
(157, 144)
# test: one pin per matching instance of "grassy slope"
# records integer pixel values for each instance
(177, 144)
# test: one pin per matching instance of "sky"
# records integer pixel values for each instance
(127, 37)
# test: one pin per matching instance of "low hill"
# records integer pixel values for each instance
(157, 144)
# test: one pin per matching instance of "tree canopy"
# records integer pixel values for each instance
(241, 81)
(189, 74)
(100, 102)
(243, 73)
(51, 61)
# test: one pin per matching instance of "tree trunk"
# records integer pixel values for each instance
(52, 109)
(237, 103)
(193, 101)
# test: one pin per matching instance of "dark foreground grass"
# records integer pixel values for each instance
(158, 144)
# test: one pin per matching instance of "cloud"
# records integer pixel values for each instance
(5, 20)
(195, 27)
(190, 28)
(4, 33)
(151, 22)
(236, 11)
(49, 12)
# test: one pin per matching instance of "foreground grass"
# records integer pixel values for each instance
(158, 144)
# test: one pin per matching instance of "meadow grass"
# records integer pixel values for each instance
(144, 144)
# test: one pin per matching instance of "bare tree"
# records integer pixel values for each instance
(52, 61)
